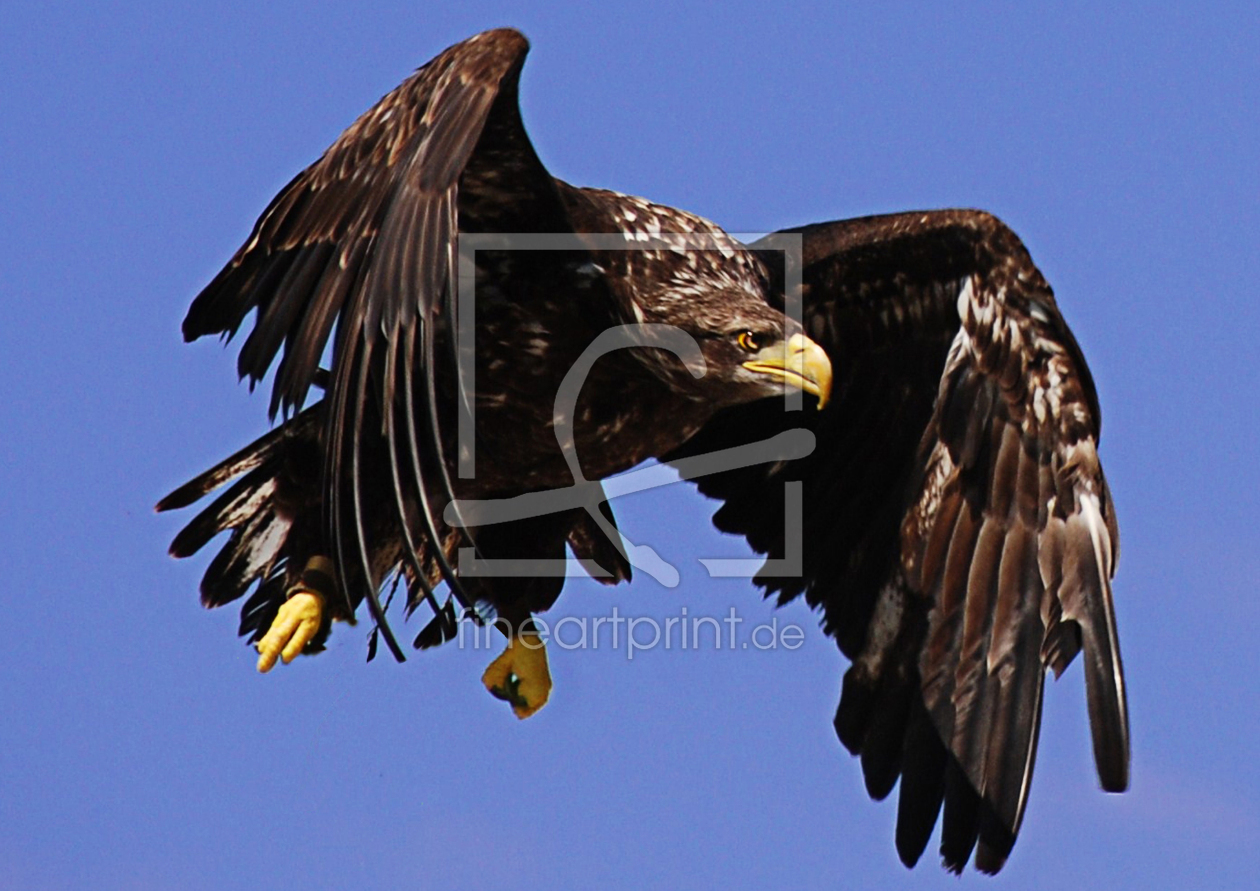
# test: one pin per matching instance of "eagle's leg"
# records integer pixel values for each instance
(520, 675)
(301, 616)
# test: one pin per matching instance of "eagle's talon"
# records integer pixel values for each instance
(510, 692)
(520, 675)
(298, 620)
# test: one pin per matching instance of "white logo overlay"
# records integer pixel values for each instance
(640, 632)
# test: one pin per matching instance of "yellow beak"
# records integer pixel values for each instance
(800, 363)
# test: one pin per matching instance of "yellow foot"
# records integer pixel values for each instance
(298, 620)
(520, 675)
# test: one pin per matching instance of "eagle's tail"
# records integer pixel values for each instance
(272, 511)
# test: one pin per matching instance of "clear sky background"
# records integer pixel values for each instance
(138, 747)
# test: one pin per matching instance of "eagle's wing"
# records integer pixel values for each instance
(958, 532)
(366, 238)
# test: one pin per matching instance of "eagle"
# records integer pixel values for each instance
(482, 336)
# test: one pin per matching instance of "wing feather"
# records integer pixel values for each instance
(958, 532)
(363, 243)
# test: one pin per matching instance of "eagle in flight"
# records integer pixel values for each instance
(954, 526)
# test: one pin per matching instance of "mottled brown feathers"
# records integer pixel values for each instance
(958, 534)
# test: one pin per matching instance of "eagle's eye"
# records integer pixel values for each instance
(749, 341)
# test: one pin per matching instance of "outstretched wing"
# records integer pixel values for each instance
(958, 532)
(366, 238)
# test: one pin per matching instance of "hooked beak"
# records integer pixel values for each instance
(801, 364)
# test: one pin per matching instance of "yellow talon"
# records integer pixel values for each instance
(520, 675)
(297, 622)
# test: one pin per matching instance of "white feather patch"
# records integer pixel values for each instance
(1092, 512)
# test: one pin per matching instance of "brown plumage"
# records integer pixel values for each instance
(365, 240)
(958, 534)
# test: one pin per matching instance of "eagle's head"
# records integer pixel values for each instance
(745, 348)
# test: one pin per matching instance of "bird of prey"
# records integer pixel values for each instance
(954, 529)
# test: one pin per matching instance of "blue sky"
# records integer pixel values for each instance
(139, 749)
